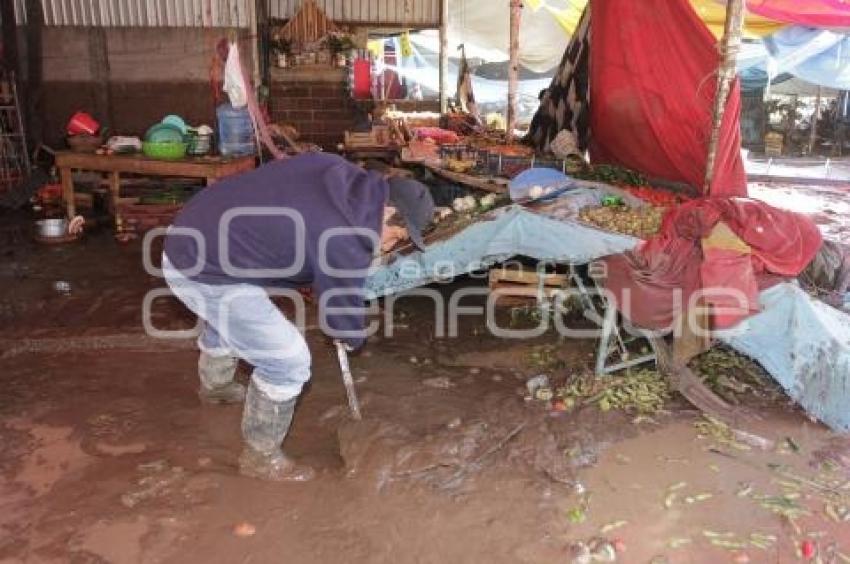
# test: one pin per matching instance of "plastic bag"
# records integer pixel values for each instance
(234, 84)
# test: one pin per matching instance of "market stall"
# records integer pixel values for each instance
(656, 237)
(209, 169)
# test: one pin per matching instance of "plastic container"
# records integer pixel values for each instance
(235, 131)
(164, 151)
(82, 123)
(164, 133)
(199, 143)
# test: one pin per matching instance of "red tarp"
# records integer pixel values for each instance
(812, 13)
(782, 243)
(653, 69)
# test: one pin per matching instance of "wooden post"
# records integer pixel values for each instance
(33, 92)
(730, 45)
(444, 56)
(98, 50)
(513, 68)
(255, 44)
(813, 138)
(10, 36)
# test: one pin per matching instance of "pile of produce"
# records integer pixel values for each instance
(733, 376)
(612, 174)
(654, 196)
(630, 180)
(641, 391)
(643, 222)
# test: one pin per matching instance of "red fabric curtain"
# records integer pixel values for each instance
(813, 13)
(653, 69)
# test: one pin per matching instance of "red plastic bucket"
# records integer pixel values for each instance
(81, 122)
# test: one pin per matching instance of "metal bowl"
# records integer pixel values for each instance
(52, 228)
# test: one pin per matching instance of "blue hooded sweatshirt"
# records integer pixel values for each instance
(274, 218)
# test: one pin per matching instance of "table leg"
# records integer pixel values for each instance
(115, 196)
(67, 180)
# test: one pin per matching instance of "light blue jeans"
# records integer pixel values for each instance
(240, 320)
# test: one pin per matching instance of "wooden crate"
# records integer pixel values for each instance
(514, 286)
(140, 218)
(773, 144)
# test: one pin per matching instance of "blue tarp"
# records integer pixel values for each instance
(512, 231)
(817, 56)
(805, 345)
(802, 342)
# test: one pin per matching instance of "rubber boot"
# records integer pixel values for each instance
(217, 384)
(265, 423)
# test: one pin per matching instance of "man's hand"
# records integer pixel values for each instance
(76, 225)
(348, 348)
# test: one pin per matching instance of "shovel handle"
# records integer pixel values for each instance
(347, 380)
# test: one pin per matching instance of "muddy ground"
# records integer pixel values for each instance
(106, 455)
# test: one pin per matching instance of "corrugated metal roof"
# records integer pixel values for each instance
(226, 13)
(142, 13)
(402, 13)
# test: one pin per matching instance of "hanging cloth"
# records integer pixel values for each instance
(238, 86)
(652, 113)
(564, 105)
(812, 13)
(465, 95)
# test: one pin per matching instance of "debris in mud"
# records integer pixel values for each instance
(595, 550)
(535, 383)
(834, 455)
(720, 433)
(161, 480)
(642, 391)
(438, 383)
(808, 549)
(610, 527)
(545, 358)
(244, 530)
(577, 515)
(62, 287)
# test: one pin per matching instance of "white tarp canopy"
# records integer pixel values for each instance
(484, 27)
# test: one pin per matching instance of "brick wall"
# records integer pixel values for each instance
(315, 100)
(321, 111)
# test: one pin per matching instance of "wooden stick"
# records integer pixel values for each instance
(814, 133)
(513, 68)
(347, 380)
(444, 55)
(729, 47)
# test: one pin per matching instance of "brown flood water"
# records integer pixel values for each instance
(107, 456)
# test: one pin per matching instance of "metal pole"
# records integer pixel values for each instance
(730, 45)
(513, 68)
(444, 55)
(815, 116)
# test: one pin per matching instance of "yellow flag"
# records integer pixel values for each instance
(714, 16)
(406, 47)
(376, 47)
(710, 11)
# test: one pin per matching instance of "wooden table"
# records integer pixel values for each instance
(469, 180)
(208, 168)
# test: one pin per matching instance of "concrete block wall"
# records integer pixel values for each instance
(147, 74)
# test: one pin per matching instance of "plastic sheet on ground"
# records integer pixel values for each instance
(511, 231)
(805, 345)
